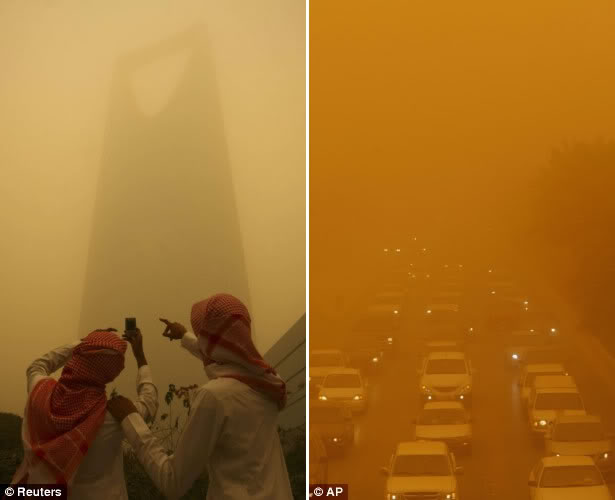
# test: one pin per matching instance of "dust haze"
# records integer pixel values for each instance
(462, 160)
(151, 154)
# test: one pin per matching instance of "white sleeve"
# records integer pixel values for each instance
(191, 343)
(147, 394)
(173, 475)
(48, 363)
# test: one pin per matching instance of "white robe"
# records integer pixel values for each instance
(231, 433)
(101, 474)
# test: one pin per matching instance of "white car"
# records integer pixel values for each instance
(530, 372)
(520, 341)
(322, 362)
(424, 468)
(446, 376)
(346, 386)
(446, 421)
(581, 435)
(546, 404)
(567, 478)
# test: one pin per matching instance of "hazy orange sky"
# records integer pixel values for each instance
(426, 105)
(107, 150)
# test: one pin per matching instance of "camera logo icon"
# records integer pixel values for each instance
(9, 492)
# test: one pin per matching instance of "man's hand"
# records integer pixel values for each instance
(173, 331)
(120, 407)
(135, 339)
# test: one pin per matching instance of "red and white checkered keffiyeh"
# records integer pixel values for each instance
(65, 415)
(222, 325)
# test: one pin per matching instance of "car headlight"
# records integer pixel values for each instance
(322, 398)
(336, 440)
(467, 389)
(395, 311)
(540, 423)
(390, 340)
(450, 496)
(375, 359)
(515, 356)
(358, 397)
(425, 389)
(391, 496)
(604, 456)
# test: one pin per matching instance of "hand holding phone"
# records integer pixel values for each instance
(130, 325)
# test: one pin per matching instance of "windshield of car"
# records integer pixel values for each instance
(326, 415)
(442, 416)
(578, 431)
(342, 381)
(530, 377)
(570, 476)
(445, 366)
(558, 401)
(326, 359)
(422, 465)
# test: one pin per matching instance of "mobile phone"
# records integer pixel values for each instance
(130, 324)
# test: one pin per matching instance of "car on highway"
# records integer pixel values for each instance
(445, 322)
(335, 425)
(383, 324)
(346, 386)
(540, 321)
(446, 421)
(422, 469)
(581, 435)
(521, 341)
(446, 376)
(530, 372)
(322, 362)
(551, 396)
(384, 310)
(556, 352)
(365, 352)
(567, 477)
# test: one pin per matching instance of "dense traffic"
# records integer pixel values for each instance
(420, 311)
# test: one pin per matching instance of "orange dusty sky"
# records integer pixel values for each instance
(434, 114)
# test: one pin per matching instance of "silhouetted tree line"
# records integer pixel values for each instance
(572, 230)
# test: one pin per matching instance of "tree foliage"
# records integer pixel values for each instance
(573, 215)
